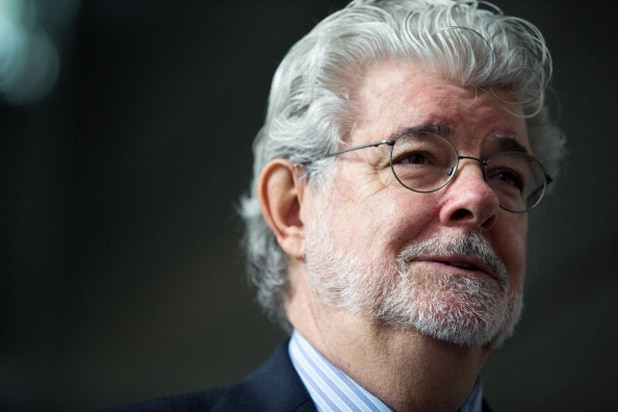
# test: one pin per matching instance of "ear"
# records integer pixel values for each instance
(280, 191)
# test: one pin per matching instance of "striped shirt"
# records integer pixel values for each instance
(333, 390)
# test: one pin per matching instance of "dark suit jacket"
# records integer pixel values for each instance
(273, 387)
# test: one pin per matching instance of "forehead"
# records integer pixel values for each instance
(392, 96)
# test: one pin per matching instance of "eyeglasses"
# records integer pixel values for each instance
(425, 162)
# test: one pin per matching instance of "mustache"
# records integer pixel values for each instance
(468, 245)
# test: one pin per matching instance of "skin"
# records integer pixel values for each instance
(375, 217)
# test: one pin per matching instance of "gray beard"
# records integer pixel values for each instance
(452, 308)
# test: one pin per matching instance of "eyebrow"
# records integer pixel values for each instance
(438, 128)
(505, 142)
(510, 144)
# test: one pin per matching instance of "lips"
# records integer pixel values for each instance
(466, 254)
(462, 265)
(469, 263)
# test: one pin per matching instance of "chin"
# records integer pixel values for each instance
(465, 313)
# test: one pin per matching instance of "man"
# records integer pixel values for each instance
(405, 141)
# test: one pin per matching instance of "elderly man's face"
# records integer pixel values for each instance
(410, 260)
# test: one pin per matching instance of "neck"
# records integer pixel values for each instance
(406, 370)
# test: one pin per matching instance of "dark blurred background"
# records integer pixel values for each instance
(125, 142)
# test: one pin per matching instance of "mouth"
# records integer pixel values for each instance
(462, 265)
(467, 255)
(467, 263)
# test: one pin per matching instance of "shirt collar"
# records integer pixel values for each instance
(332, 390)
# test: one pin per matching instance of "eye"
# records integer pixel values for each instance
(422, 156)
(415, 158)
(506, 178)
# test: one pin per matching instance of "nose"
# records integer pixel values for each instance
(468, 199)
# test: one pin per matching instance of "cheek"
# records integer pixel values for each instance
(411, 216)
(513, 252)
(392, 223)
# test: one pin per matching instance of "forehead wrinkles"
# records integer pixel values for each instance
(387, 99)
(459, 107)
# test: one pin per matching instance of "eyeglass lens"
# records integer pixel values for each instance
(427, 162)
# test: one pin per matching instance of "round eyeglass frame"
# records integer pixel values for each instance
(482, 162)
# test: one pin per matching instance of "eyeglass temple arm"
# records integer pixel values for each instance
(351, 149)
(548, 180)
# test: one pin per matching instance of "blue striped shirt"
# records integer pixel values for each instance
(333, 390)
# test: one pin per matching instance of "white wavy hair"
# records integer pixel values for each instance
(309, 113)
